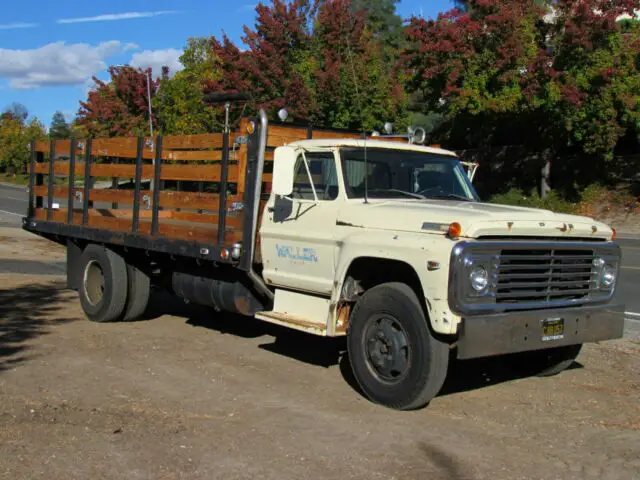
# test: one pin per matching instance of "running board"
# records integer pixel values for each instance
(291, 321)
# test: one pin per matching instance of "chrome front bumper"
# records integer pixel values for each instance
(487, 335)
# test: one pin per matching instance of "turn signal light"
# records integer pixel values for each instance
(454, 230)
(615, 234)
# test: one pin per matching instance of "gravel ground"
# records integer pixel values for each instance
(187, 394)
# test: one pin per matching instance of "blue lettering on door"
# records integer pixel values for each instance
(297, 253)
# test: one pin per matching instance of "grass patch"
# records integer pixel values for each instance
(18, 179)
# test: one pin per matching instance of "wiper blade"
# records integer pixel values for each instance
(450, 196)
(393, 190)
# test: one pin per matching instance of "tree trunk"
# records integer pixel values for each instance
(545, 174)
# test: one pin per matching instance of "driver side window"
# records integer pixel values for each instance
(324, 177)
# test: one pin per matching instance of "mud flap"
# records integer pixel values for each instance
(73, 264)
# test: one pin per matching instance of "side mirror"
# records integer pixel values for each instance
(284, 162)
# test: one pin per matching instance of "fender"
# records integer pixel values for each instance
(413, 249)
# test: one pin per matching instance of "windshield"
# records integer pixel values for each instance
(404, 174)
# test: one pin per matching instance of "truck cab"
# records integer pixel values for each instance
(359, 236)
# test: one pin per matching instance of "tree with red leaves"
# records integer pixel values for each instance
(317, 59)
(507, 71)
(118, 107)
(266, 68)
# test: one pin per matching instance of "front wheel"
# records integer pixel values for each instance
(394, 357)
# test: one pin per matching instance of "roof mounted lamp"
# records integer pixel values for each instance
(417, 135)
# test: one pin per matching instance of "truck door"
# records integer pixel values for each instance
(297, 242)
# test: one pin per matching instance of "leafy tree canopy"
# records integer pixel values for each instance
(60, 129)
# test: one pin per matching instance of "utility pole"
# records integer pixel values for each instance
(153, 160)
(149, 99)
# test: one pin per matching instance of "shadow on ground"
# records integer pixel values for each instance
(26, 313)
(467, 375)
(319, 351)
(463, 375)
(33, 267)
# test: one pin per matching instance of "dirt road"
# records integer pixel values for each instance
(188, 395)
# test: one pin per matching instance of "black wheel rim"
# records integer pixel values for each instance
(94, 283)
(386, 347)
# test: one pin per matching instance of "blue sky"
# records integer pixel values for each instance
(50, 50)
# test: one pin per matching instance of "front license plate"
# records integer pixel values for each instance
(552, 329)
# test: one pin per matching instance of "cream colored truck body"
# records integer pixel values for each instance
(307, 253)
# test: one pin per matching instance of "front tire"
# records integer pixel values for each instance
(394, 357)
(103, 284)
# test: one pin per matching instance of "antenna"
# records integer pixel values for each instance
(364, 132)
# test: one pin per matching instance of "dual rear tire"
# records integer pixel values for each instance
(111, 290)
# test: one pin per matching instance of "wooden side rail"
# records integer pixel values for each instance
(206, 173)
(168, 225)
(160, 201)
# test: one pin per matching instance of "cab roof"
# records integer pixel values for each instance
(352, 142)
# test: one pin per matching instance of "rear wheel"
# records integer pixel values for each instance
(138, 292)
(394, 357)
(547, 362)
(103, 285)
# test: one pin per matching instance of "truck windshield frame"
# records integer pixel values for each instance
(404, 174)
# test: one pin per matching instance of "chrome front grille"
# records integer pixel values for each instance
(544, 275)
(530, 275)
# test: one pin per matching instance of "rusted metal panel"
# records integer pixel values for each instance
(291, 321)
(343, 311)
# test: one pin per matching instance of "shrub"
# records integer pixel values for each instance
(517, 197)
(596, 201)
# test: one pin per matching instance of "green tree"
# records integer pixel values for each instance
(179, 103)
(383, 21)
(16, 134)
(59, 129)
(354, 86)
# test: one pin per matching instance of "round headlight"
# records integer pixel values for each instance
(608, 277)
(479, 278)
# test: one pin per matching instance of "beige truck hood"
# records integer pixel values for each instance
(477, 219)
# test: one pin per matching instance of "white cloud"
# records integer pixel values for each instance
(110, 17)
(12, 26)
(57, 63)
(156, 59)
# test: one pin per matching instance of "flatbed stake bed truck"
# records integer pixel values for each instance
(333, 234)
